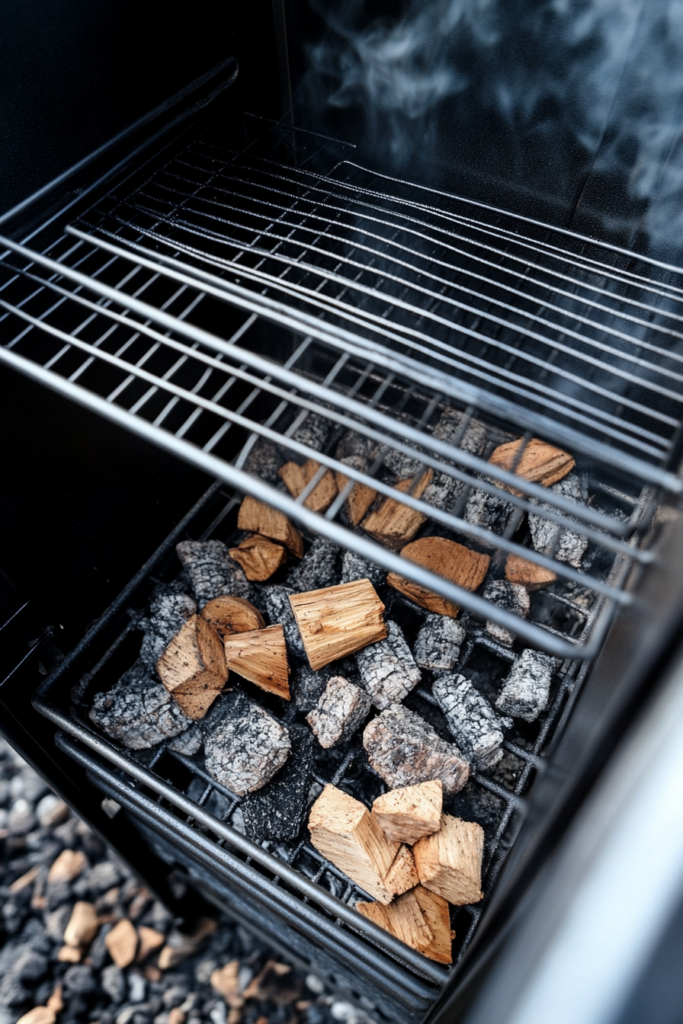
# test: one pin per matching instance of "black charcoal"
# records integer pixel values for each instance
(314, 431)
(511, 597)
(279, 610)
(138, 711)
(306, 685)
(443, 492)
(438, 643)
(548, 537)
(356, 568)
(404, 466)
(246, 747)
(189, 742)
(488, 511)
(353, 445)
(474, 724)
(278, 810)
(450, 429)
(264, 460)
(212, 570)
(342, 708)
(317, 569)
(387, 669)
(525, 691)
(168, 610)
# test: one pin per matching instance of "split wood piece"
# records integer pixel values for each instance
(255, 517)
(419, 918)
(337, 621)
(345, 833)
(232, 615)
(261, 657)
(540, 463)
(444, 557)
(82, 926)
(259, 557)
(394, 523)
(449, 861)
(56, 1000)
(410, 813)
(402, 875)
(246, 747)
(296, 478)
(530, 575)
(122, 943)
(193, 668)
(149, 940)
(360, 497)
(225, 981)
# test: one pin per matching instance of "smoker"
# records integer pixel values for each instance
(229, 269)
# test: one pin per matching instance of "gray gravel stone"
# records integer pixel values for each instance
(21, 818)
(56, 921)
(79, 980)
(114, 983)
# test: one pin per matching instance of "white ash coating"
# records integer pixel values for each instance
(356, 568)
(525, 691)
(354, 445)
(246, 747)
(546, 535)
(443, 491)
(306, 685)
(405, 750)
(264, 460)
(317, 569)
(138, 711)
(488, 511)
(471, 719)
(277, 811)
(403, 465)
(438, 643)
(168, 610)
(387, 669)
(341, 709)
(212, 570)
(279, 610)
(314, 431)
(189, 742)
(513, 598)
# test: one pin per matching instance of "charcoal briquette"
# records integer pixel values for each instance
(547, 536)
(246, 746)
(279, 610)
(488, 511)
(354, 445)
(341, 709)
(472, 721)
(356, 568)
(211, 569)
(387, 669)
(313, 432)
(189, 742)
(168, 610)
(511, 597)
(525, 691)
(277, 811)
(318, 567)
(438, 643)
(138, 711)
(264, 460)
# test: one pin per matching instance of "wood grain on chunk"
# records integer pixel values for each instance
(341, 709)
(387, 669)
(193, 667)
(530, 575)
(259, 557)
(338, 621)
(411, 812)
(138, 711)
(540, 463)
(394, 523)
(345, 833)
(261, 657)
(419, 918)
(402, 875)
(446, 558)
(229, 614)
(405, 751)
(449, 861)
(256, 517)
(246, 747)
(211, 569)
(360, 497)
(296, 478)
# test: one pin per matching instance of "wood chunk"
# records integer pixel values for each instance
(317, 569)
(405, 751)
(149, 940)
(278, 810)
(337, 621)
(540, 463)
(255, 517)
(474, 724)
(82, 926)
(444, 557)
(513, 598)
(525, 691)
(246, 747)
(296, 478)
(387, 669)
(23, 882)
(341, 709)
(438, 643)
(122, 943)
(261, 657)
(70, 955)
(345, 833)
(168, 610)
(449, 861)
(394, 523)
(56, 1000)
(264, 461)
(259, 557)
(530, 575)
(402, 875)
(360, 497)
(229, 614)
(193, 667)
(409, 813)
(138, 711)
(38, 1015)
(67, 866)
(419, 918)
(211, 569)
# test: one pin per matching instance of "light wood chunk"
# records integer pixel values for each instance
(82, 926)
(122, 943)
(39, 1015)
(259, 557)
(530, 575)
(345, 833)
(449, 861)
(149, 940)
(540, 463)
(192, 668)
(225, 981)
(446, 558)
(255, 517)
(297, 477)
(56, 1000)
(337, 621)
(419, 918)
(229, 614)
(410, 813)
(394, 523)
(358, 500)
(67, 866)
(402, 875)
(70, 955)
(261, 657)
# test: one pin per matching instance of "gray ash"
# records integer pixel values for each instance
(246, 747)
(438, 643)
(264, 461)
(548, 537)
(313, 432)
(306, 685)
(340, 711)
(471, 719)
(138, 711)
(277, 811)
(511, 597)
(387, 669)
(169, 608)
(489, 511)
(318, 568)
(279, 610)
(356, 568)
(525, 691)
(212, 570)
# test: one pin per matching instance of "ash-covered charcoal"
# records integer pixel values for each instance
(307, 686)
(212, 570)
(387, 669)
(264, 460)
(314, 431)
(474, 724)
(246, 747)
(189, 742)
(546, 535)
(278, 609)
(488, 511)
(356, 568)
(277, 811)
(318, 567)
(525, 691)
(449, 426)
(168, 610)
(402, 465)
(405, 751)
(354, 445)
(513, 598)
(438, 643)
(443, 491)
(138, 711)
(342, 708)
